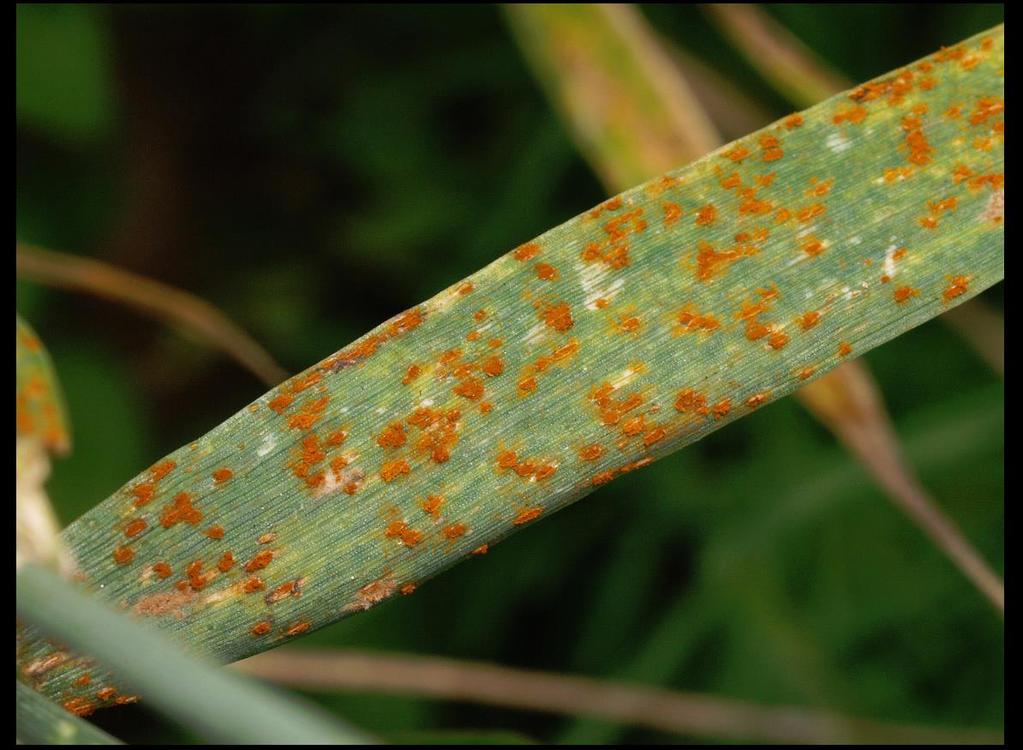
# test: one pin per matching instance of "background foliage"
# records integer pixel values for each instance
(314, 170)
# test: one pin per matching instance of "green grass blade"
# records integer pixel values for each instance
(40, 411)
(618, 337)
(42, 722)
(217, 704)
(42, 430)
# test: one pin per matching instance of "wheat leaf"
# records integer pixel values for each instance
(618, 337)
(44, 723)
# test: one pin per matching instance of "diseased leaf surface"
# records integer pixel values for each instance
(620, 336)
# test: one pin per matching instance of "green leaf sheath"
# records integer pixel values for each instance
(620, 336)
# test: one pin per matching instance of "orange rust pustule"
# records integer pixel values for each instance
(432, 505)
(260, 561)
(162, 469)
(525, 252)
(162, 570)
(692, 401)
(620, 227)
(546, 272)
(298, 628)
(706, 215)
(300, 383)
(195, 577)
(222, 475)
(770, 148)
(454, 531)
(957, 285)
(281, 402)
(180, 510)
(986, 107)
(690, 319)
(260, 628)
(367, 346)
(253, 584)
(290, 589)
(905, 293)
(672, 213)
(400, 530)
(308, 414)
(558, 317)
(391, 470)
(654, 435)
(778, 340)
(336, 438)
(526, 515)
(215, 532)
(145, 491)
(123, 555)
(79, 706)
(493, 365)
(757, 399)
(471, 388)
(737, 154)
(916, 143)
(611, 410)
(812, 246)
(393, 436)
(438, 432)
(134, 527)
(809, 319)
(855, 115)
(226, 562)
(711, 263)
(413, 372)
(106, 694)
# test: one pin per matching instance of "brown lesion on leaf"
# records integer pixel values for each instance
(79, 706)
(372, 594)
(994, 211)
(285, 591)
(43, 665)
(174, 603)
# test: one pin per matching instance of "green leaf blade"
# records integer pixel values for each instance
(661, 321)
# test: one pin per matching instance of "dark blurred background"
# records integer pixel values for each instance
(313, 170)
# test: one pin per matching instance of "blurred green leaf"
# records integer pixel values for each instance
(219, 705)
(64, 76)
(41, 722)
